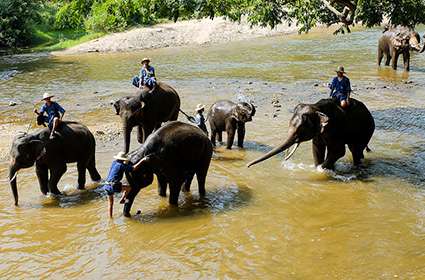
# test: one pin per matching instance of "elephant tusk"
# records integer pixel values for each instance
(14, 177)
(293, 151)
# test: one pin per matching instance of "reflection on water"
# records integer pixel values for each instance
(277, 220)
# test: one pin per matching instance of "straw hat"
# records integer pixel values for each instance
(47, 95)
(121, 156)
(199, 107)
(146, 59)
(341, 70)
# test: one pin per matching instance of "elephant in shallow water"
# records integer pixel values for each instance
(147, 113)
(228, 116)
(398, 41)
(175, 153)
(331, 128)
(75, 144)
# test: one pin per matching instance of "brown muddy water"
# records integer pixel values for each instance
(273, 221)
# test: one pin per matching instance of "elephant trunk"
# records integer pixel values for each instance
(286, 145)
(13, 171)
(127, 134)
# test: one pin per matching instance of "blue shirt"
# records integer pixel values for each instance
(117, 171)
(146, 74)
(52, 111)
(340, 87)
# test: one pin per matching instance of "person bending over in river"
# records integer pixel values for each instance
(113, 185)
(341, 88)
(146, 77)
(54, 113)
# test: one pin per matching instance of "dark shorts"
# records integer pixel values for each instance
(340, 97)
(113, 188)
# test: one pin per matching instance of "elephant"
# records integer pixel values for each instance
(161, 106)
(228, 116)
(75, 144)
(331, 128)
(174, 153)
(398, 41)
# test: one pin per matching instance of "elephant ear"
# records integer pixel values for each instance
(324, 121)
(117, 107)
(37, 148)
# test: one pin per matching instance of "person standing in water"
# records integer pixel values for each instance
(119, 166)
(146, 77)
(199, 119)
(54, 112)
(341, 88)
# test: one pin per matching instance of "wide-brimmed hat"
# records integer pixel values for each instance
(199, 107)
(47, 95)
(341, 70)
(121, 156)
(145, 59)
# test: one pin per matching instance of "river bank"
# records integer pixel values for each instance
(181, 33)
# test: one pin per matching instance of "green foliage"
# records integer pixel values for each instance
(16, 19)
(72, 15)
(116, 15)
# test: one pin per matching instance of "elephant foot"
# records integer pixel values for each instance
(81, 188)
(127, 214)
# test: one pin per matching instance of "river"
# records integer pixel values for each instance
(272, 221)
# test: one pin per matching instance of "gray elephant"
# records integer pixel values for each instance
(398, 41)
(175, 153)
(331, 128)
(228, 116)
(76, 144)
(161, 106)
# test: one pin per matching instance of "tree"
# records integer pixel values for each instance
(16, 19)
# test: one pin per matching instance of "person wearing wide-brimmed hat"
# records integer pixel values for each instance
(341, 88)
(146, 76)
(54, 113)
(199, 119)
(119, 166)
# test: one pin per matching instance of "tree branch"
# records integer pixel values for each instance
(346, 16)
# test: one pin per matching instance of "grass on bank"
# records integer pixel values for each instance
(44, 40)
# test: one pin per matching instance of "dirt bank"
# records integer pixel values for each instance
(192, 32)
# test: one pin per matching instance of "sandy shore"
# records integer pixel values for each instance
(182, 33)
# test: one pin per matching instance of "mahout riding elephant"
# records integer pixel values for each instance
(228, 116)
(397, 41)
(148, 114)
(331, 128)
(75, 144)
(174, 153)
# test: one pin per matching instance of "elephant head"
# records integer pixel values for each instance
(414, 42)
(243, 112)
(130, 109)
(306, 123)
(26, 149)
(401, 40)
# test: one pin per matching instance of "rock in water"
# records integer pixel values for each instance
(12, 103)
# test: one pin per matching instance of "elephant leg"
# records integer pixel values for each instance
(55, 175)
(406, 60)
(201, 176)
(241, 134)
(319, 151)
(213, 136)
(220, 136)
(81, 167)
(357, 153)
(43, 177)
(380, 56)
(388, 59)
(129, 201)
(91, 167)
(395, 60)
(175, 191)
(147, 130)
(230, 138)
(162, 185)
(335, 152)
(188, 182)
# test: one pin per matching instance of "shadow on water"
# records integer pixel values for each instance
(222, 199)
(409, 120)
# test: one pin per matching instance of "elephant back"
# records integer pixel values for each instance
(163, 105)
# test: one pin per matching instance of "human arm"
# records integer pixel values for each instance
(349, 90)
(152, 71)
(60, 109)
